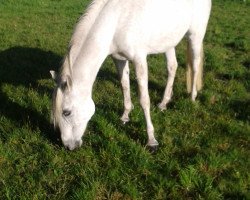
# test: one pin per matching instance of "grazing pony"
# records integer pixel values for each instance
(126, 30)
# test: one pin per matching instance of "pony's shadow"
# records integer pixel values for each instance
(23, 66)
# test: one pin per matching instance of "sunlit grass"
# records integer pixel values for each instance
(204, 146)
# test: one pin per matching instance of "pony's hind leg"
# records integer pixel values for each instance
(123, 70)
(195, 65)
(171, 66)
(141, 69)
(196, 35)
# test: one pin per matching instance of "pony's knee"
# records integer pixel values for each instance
(172, 70)
(171, 61)
(145, 101)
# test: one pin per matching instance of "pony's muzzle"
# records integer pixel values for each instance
(71, 145)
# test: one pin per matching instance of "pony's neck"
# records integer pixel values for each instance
(95, 48)
(83, 27)
(87, 65)
(81, 33)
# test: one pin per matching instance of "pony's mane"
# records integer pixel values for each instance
(80, 34)
(56, 111)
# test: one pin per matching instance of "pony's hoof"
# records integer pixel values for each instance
(153, 149)
(124, 122)
(124, 119)
(162, 107)
(152, 146)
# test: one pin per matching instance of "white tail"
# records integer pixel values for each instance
(190, 70)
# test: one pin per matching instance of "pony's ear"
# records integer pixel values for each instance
(53, 75)
(66, 82)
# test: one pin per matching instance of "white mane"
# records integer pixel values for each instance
(80, 34)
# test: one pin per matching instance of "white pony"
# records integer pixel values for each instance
(127, 30)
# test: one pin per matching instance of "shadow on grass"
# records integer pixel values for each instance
(22, 66)
(241, 107)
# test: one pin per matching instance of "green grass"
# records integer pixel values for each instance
(204, 146)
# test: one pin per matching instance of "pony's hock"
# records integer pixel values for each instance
(149, 27)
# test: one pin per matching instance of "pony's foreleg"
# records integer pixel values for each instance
(195, 66)
(141, 69)
(171, 66)
(123, 70)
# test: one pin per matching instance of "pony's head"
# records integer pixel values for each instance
(71, 111)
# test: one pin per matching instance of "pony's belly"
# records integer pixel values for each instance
(127, 46)
(128, 49)
(162, 44)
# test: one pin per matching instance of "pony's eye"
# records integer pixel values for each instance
(66, 113)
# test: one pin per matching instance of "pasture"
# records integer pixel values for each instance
(204, 146)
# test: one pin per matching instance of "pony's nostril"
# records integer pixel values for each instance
(70, 147)
(79, 143)
(73, 145)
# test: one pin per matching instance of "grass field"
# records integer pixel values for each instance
(204, 150)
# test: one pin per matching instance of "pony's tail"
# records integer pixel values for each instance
(199, 82)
